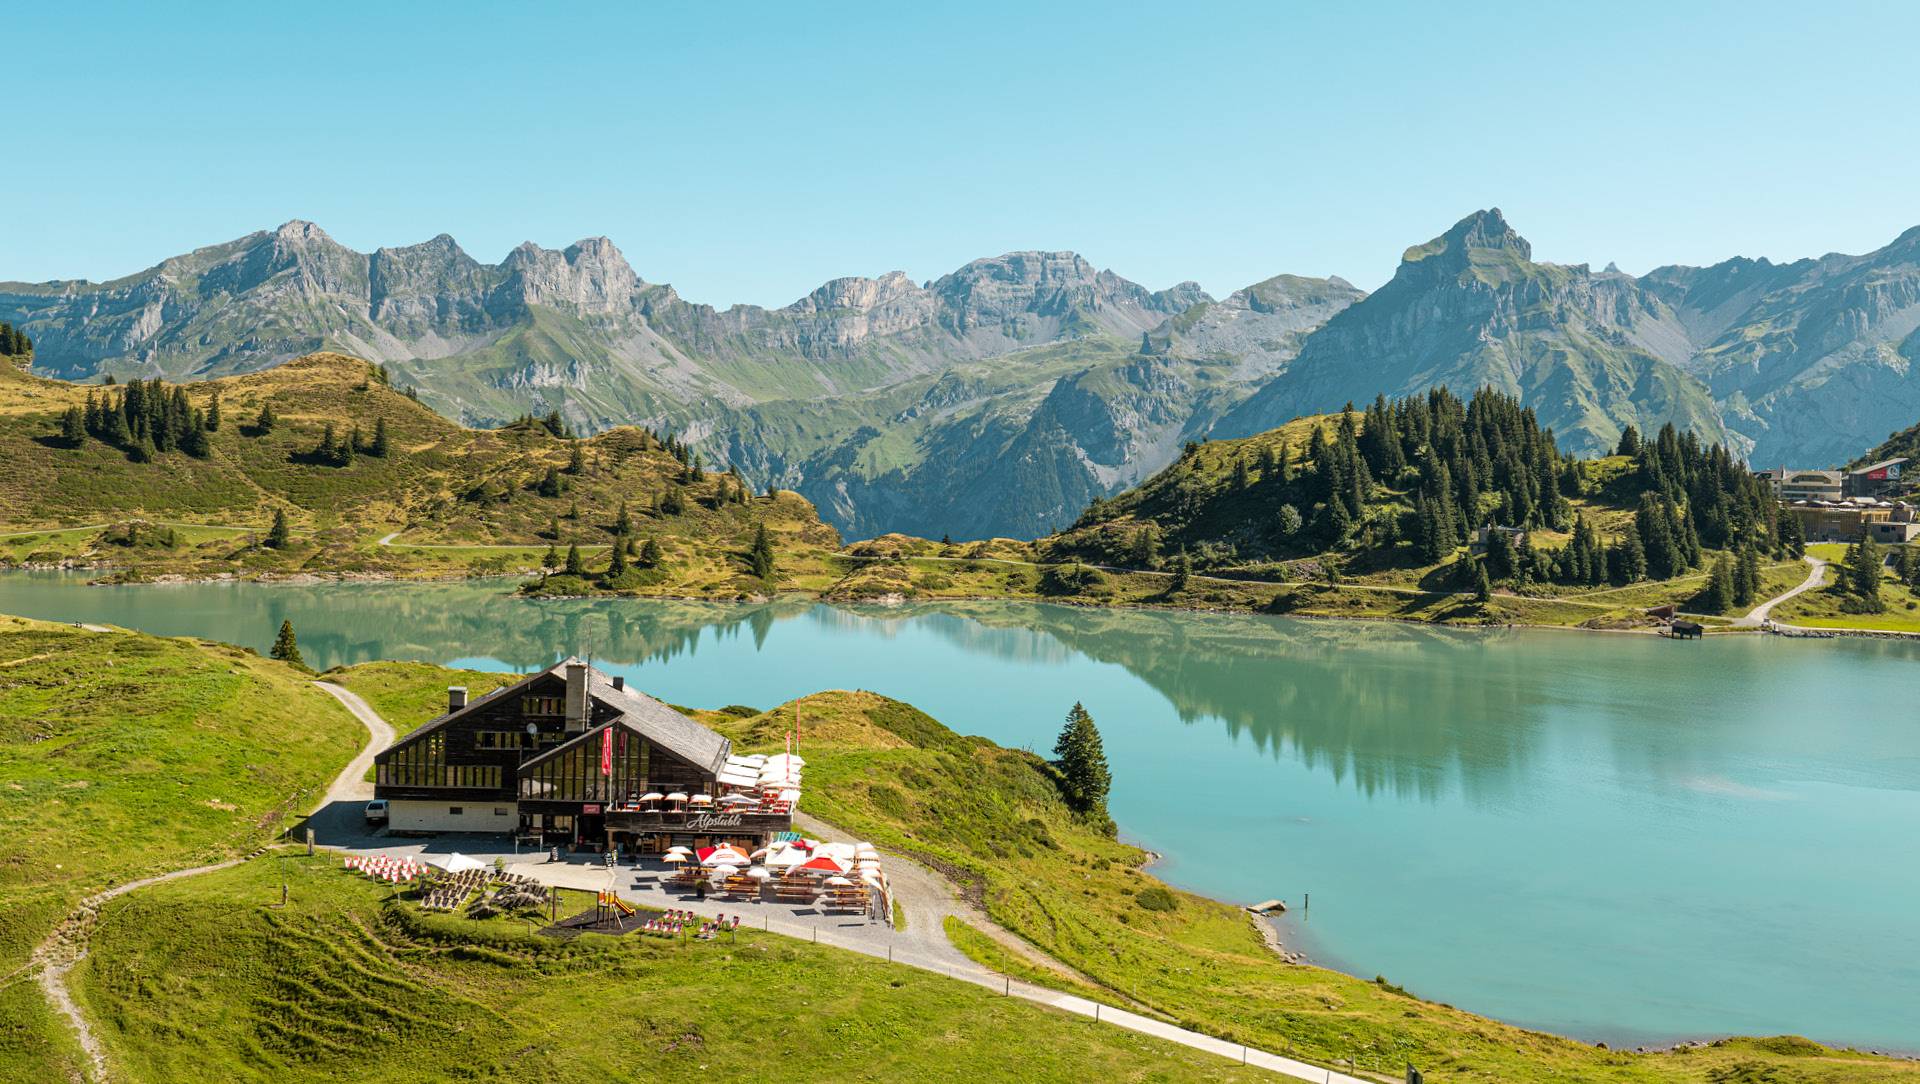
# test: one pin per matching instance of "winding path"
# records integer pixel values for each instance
(1758, 615)
(925, 895)
(66, 946)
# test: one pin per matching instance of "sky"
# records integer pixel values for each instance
(747, 153)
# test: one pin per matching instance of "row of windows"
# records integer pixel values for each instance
(474, 776)
(542, 705)
(501, 739)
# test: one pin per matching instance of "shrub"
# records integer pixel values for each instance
(1156, 899)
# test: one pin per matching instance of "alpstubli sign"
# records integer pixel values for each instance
(706, 821)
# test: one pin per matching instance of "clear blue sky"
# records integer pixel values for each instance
(748, 154)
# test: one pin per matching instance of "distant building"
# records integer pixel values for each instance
(1855, 519)
(1484, 537)
(1811, 485)
(1875, 479)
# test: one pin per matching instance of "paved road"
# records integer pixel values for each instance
(1758, 615)
(925, 895)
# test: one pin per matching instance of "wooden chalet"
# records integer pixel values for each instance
(570, 756)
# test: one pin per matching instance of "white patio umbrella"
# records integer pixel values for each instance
(677, 796)
(679, 850)
(759, 873)
(786, 859)
(838, 882)
(737, 799)
(455, 862)
(873, 878)
(674, 859)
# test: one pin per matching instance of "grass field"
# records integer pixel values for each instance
(1824, 607)
(125, 755)
(205, 979)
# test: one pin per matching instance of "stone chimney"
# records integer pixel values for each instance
(576, 696)
(619, 683)
(456, 698)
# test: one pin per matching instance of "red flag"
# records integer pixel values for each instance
(606, 751)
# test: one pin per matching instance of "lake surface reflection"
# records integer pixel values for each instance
(1619, 838)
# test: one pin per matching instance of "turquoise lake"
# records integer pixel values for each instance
(1620, 838)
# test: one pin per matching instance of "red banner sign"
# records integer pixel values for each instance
(606, 751)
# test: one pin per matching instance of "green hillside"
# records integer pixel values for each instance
(152, 493)
(127, 755)
(1393, 496)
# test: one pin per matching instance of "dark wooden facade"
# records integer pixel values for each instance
(519, 746)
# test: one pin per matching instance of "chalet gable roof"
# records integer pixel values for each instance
(641, 713)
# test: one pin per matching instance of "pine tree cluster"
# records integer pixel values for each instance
(144, 419)
(14, 342)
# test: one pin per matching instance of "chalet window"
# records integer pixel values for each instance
(573, 774)
(499, 811)
(455, 810)
(498, 739)
(542, 705)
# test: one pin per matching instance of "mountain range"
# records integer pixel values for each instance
(1001, 398)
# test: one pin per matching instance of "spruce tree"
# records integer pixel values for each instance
(265, 422)
(1720, 587)
(1482, 586)
(617, 564)
(552, 557)
(575, 567)
(73, 427)
(1082, 760)
(576, 460)
(1182, 571)
(213, 413)
(650, 555)
(550, 485)
(277, 534)
(285, 647)
(1146, 546)
(760, 556)
(1865, 559)
(380, 446)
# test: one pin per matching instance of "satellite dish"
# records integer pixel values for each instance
(533, 728)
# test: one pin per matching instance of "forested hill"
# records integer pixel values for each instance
(325, 443)
(1904, 444)
(1404, 484)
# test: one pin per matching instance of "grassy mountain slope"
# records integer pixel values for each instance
(126, 755)
(442, 485)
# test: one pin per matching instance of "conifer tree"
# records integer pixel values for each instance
(617, 564)
(650, 555)
(194, 441)
(1146, 546)
(1085, 778)
(265, 422)
(1865, 560)
(760, 556)
(277, 535)
(1746, 576)
(575, 567)
(550, 485)
(285, 647)
(73, 427)
(381, 445)
(576, 460)
(1720, 587)
(552, 557)
(213, 413)
(1482, 586)
(1182, 571)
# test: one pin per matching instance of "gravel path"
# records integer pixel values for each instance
(1758, 615)
(64, 948)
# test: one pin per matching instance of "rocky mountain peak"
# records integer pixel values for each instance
(590, 276)
(858, 294)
